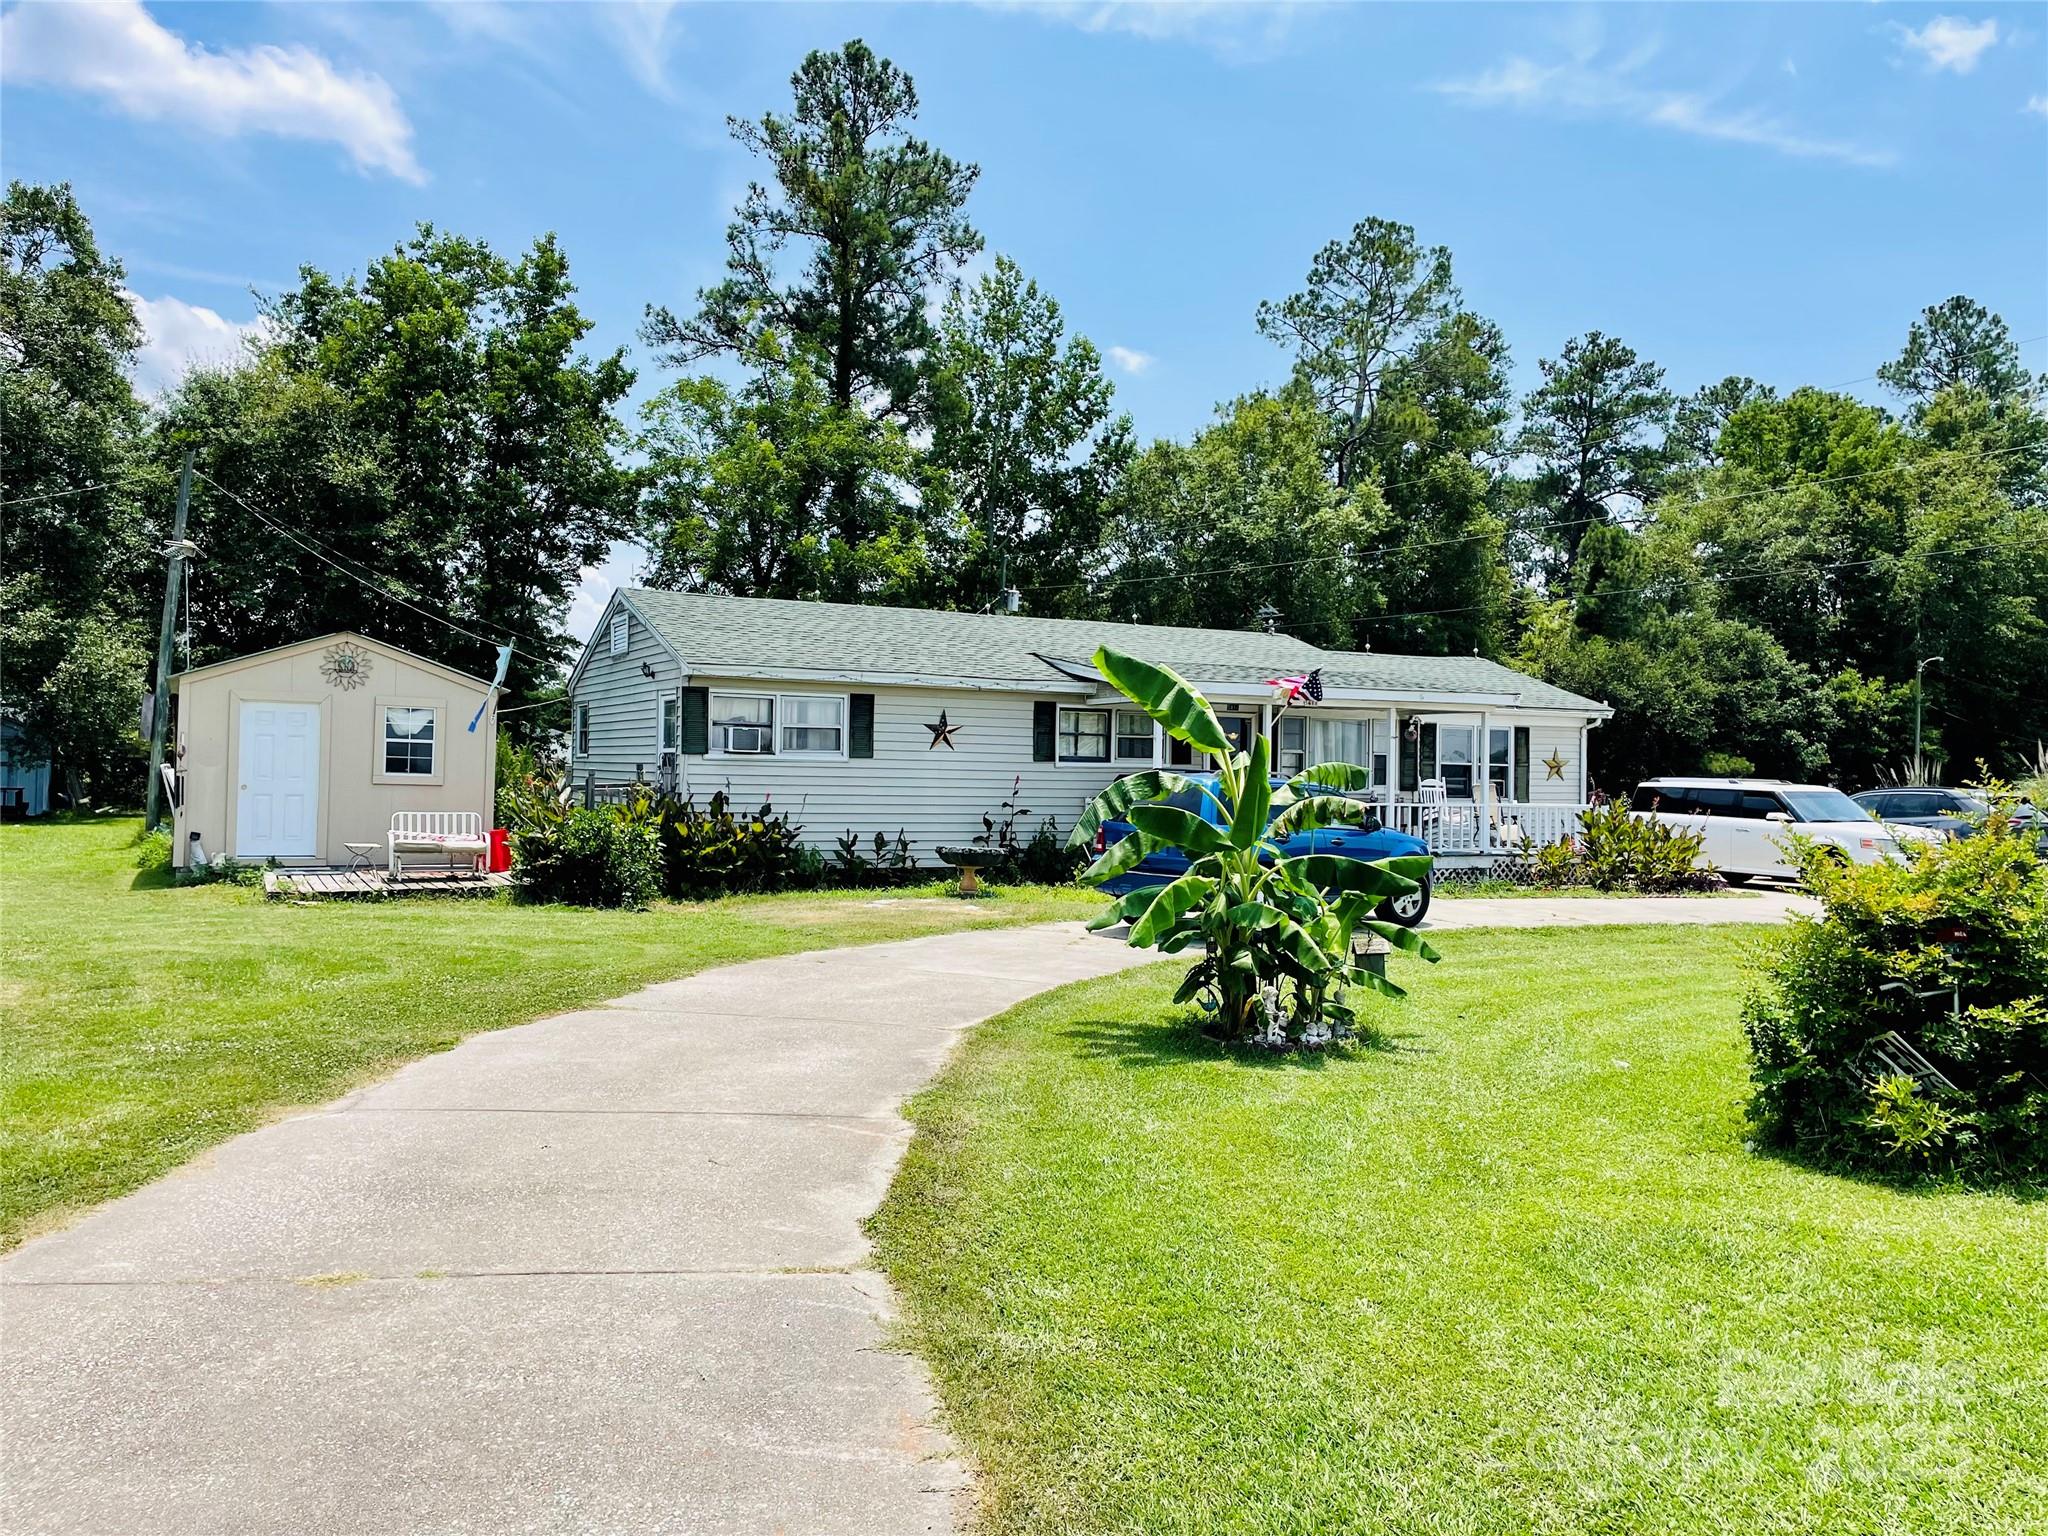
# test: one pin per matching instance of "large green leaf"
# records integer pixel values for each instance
(1113, 802)
(1179, 898)
(1331, 776)
(1123, 909)
(1332, 872)
(1410, 866)
(1316, 810)
(1183, 829)
(1255, 800)
(1407, 940)
(1120, 856)
(1167, 697)
(1358, 976)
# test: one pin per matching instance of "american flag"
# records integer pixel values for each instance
(1301, 685)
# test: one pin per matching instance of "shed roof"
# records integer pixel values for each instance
(735, 636)
(315, 643)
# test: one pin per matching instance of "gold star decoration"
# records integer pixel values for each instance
(1555, 763)
(942, 732)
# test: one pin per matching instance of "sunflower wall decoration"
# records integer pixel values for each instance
(345, 666)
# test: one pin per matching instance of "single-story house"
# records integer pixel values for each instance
(874, 719)
(293, 753)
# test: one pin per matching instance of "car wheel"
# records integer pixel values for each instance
(1407, 910)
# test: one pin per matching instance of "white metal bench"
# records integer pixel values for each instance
(452, 833)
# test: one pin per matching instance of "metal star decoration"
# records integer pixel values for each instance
(943, 731)
(1555, 763)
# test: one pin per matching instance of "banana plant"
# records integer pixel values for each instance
(1277, 931)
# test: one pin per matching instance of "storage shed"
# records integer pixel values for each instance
(290, 754)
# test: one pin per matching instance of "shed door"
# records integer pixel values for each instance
(278, 780)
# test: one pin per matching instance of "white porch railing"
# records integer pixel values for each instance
(1466, 826)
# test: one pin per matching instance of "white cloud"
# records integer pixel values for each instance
(117, 50)
(1950, 42)
(1236, 30)
(1131, 361)
(181, 337)
(1587, 85)
(644, 32)
(2038, 105)
(621, 568)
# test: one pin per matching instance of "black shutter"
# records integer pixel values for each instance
(1522, 763)
(1408, 775)
(860, 725)
(695, 738)
(1045, 719)
(1429, 751)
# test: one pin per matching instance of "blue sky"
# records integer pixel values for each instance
(1773, 190)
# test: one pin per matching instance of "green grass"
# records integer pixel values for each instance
(142, 1023)
(1515, 1272)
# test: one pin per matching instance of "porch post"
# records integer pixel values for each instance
(1158, 745)
(1393, 760)
(1485, 766)
(1584, 778)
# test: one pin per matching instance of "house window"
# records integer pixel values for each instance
(1337, 741)
(1290, 745)
(1133, 736)
(1084, 735)
(671, 722)
(1500, 762)
(618, 634)
(408, 740)
(583, 730)
(1454, 760)
(813, 725)
(743, 723)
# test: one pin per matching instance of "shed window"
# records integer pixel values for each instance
(1133, 736)
(408, 740)
(583, 730)
(618, 634)
(1084, 735)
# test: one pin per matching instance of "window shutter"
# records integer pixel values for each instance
(1429, 751)
(1408, 759)
(696, 722)
(1522, 763)
(860, 725)
(1044, 729)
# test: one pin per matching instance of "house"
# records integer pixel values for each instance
(292, 754)
(24, 773)
(873, 719)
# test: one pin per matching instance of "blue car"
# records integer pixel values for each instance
(1370, 842)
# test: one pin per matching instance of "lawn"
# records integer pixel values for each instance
(1515, 1272)
(141, 1023)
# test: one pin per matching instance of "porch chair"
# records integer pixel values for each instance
(452, 833)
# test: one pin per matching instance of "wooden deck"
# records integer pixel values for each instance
(375, 883)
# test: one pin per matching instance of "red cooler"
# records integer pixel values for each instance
(501, 851)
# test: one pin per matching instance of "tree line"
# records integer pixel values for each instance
(1750, 577)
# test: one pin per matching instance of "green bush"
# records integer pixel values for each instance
(1046, 859)
(1906, 1028)
(712, 852)
(153, 851)
(606, 856)
(1615, 851)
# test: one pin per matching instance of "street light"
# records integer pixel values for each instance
(1919, 667)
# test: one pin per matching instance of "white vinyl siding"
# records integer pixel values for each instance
(616, 719)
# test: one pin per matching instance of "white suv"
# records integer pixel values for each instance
(1748, 823)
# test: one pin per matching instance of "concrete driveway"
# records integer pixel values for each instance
(597, 1273)
(1755, 906)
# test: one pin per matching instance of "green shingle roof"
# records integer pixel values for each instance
(734, 635)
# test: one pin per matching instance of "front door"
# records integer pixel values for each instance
(278, 780)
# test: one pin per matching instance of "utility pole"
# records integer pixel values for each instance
(160, 716)
(1919, 667)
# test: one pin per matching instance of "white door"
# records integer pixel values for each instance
(278, 783)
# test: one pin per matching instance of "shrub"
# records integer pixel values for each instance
(712, 852)
(1046, 859)
(1615, 851)
(1906, 1028)
(153, 851)
(606, 856)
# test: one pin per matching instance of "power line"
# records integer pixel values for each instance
(76, 490)
(1615, 519)
(313, 548)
